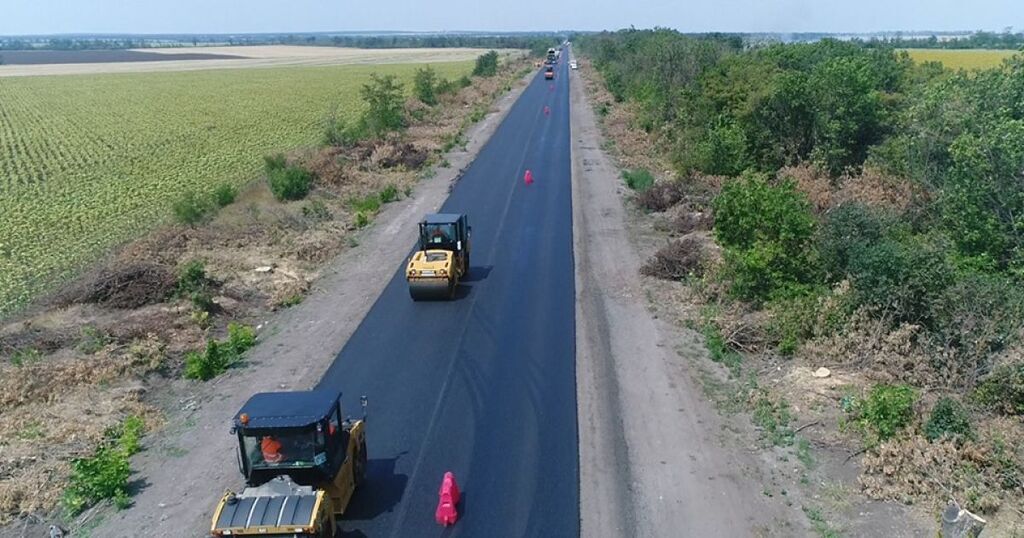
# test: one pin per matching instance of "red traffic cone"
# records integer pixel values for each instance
(547, 110)
(446, 513)
(551, 88)
(528, 178)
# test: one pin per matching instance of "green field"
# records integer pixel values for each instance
(89, 161)
(972, 59)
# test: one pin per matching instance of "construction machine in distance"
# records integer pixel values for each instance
(302, 460)
(442, 257)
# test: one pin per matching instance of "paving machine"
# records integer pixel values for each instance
(302, 460)
(442, 258)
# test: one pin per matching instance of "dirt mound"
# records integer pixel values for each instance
(394, 153)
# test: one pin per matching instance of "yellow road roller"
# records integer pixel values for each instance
(442, 258)
(301, 459)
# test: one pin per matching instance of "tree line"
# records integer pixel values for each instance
(948, 258)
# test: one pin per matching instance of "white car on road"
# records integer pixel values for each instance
(572, 64)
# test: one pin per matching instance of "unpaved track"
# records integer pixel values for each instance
(184, 470)
(651, 462)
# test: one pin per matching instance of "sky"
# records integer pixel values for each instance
(20, 17)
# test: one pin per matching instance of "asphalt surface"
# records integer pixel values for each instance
(483, 386)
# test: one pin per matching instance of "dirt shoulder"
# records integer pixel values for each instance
(655, 458)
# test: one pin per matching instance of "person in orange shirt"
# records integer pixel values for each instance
(271, 450)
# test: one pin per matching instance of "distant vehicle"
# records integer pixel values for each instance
(572, 65)
(552, 56)
(549, 73)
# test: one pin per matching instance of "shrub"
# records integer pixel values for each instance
(191, 209)
(886, 410)
(486, 64)
(900, 280)
(948, 418)
(425, 86)
(241, 337)
(361, 219)
(212, 362)
(719, 349)
(274, 162)
(722, 151)
(225, 194)
(316, 210)
(290, 183)
(797, 318)
(1003, 389)
(384, 99)
(766, 231)
(368, 204)
(388, 194)
(977, 316)
(639, 180)
(774, 418)
(847, 228)
(104, 475)
(192, 277)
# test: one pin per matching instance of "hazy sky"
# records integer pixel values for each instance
(226, 16)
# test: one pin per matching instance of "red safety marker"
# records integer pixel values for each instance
(528, 178)
(547, 110)
(446, 513)
(551, 88)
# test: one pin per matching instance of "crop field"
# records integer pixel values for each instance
(89, 161)
(970, 60)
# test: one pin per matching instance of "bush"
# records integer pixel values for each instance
(887, 410)
(901, 281)
(767, 234)
(275, 162)
(847, 228)
(425, 86)
(799, 318)
(316, 210)
(212, 362)
(368, 204)
(219, 356)
(105, 474)
(361, 219)
(978, 316)
(384, 99)
(290, 183)
(774, 418)
(388, 194)
(225, 194)
(486, 64)
(722, 151)
(1003, 389)
(639, 180)
(191, 209)
(240, 337)
(192, 277)
(948, 418)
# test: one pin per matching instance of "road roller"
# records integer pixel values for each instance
(442, 258)
(302, 460)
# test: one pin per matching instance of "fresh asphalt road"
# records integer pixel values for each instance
(483, 386)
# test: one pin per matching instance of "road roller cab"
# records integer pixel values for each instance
(302, 460)
(442, 258)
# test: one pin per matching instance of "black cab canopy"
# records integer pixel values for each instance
(296, 409)
(442, 218)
